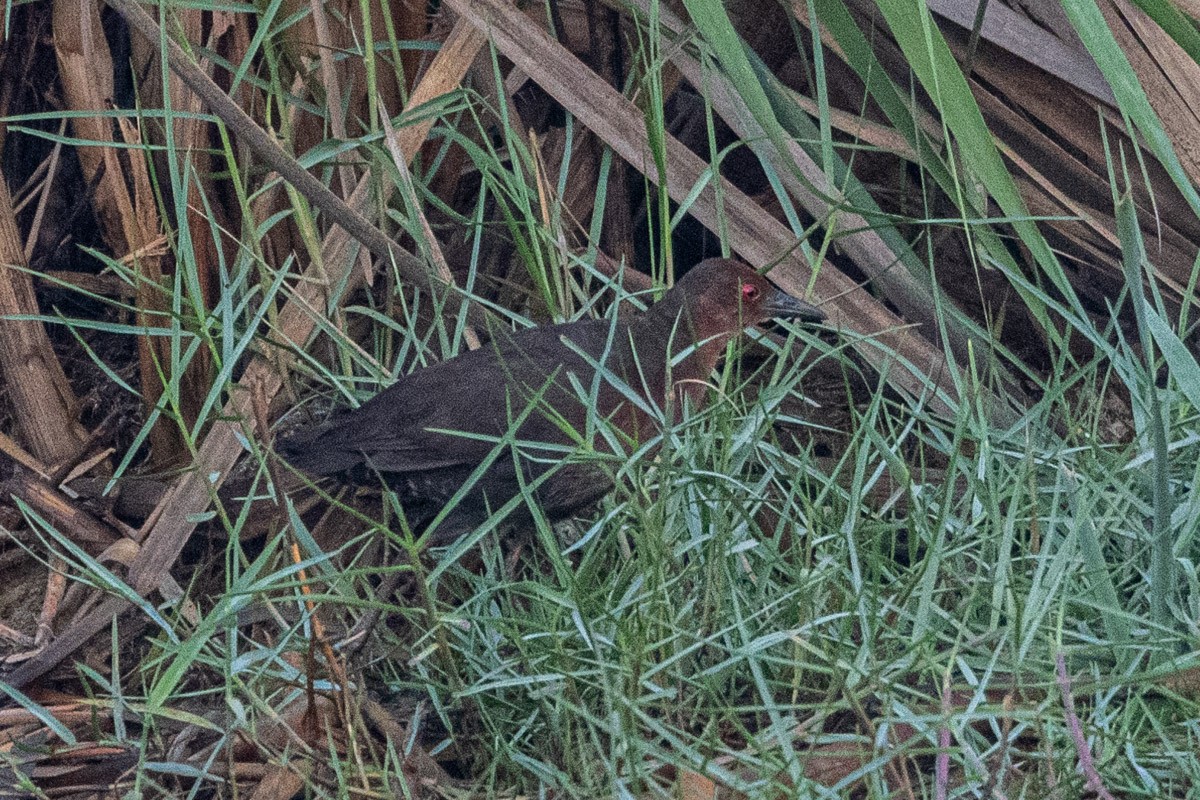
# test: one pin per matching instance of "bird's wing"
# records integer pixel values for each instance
(403, 429)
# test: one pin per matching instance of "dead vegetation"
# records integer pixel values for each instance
(197, 225)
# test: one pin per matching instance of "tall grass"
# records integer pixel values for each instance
(741, 607)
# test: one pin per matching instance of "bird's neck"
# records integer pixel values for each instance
(678, 350)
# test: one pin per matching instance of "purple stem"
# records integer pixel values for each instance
(1086, 764)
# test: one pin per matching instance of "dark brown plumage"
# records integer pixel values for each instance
(541, 383)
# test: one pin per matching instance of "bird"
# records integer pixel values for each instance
(457, 441)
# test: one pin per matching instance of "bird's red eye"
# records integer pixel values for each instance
(749, 292)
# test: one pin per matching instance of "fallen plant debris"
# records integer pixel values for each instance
(943, 545)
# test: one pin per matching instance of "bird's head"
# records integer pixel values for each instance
(722, 296)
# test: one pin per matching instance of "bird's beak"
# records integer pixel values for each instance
(782, 304)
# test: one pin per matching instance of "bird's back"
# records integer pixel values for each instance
(447, 417)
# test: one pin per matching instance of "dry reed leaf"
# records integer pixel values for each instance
(444, 75)
(830, 764)
(86, 70)
(153, 308)
(44, 405)
(1052, 135)
(1167, 74)
(1189, 7)
(313, 725)
(68, 713)
(420, 769)
(313, 45)
(1185, 681)
(56, 587)
(128, 223)
(51, 166)
(82, 769)
(1050, 132)
(192, 141)
(281, 782)
(876, 134)
(691, 785)
(1016, 34)
(10, 448)
(583, 173)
